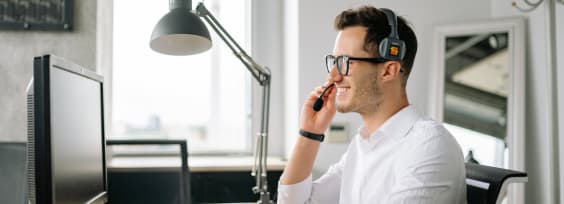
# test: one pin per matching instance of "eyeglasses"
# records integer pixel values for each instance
(342, 62)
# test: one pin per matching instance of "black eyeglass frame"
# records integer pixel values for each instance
(335, 59)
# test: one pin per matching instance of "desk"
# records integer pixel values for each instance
(213, 179)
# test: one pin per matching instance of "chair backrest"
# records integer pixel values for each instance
(139, 187)
(12, 172)
(487, 185)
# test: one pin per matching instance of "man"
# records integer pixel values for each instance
(397, 155)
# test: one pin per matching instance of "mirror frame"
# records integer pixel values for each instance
(515, 138)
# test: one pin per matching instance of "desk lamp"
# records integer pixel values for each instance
(182, 32)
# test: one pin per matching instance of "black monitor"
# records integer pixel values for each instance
(66, 144)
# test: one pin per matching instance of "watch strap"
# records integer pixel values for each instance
(313, 136)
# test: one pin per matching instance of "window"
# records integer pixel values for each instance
(203, 98)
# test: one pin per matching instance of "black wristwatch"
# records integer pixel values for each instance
(312, 136)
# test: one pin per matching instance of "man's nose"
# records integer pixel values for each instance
(334, 75)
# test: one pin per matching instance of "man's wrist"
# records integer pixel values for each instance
(312, 136)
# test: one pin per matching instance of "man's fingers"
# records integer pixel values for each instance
(331, 98)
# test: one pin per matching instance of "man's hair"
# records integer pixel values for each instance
(378, 28)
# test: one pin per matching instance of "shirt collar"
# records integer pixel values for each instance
(394, 127)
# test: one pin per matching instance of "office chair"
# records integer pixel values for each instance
(133, 185)
(13, 172)
(487, 185)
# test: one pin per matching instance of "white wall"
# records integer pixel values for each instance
(309, 35)
(104, 54)
(542, 146)
(560, 92)
(267, 51)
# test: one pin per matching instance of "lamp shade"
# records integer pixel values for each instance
(180, 32)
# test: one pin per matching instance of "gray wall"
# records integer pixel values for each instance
(17, 49)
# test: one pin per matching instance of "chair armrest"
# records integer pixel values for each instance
(492, 180)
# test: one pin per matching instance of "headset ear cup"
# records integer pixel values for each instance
(391, 47)
(383, 48)
(402, 50)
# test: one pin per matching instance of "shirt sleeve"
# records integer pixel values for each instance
(295, 193)
(324, 190)
(433, 173)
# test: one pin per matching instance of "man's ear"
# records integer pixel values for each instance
(391, 70)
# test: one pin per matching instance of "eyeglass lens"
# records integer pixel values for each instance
(339, 61)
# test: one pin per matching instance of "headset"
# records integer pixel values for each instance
(391, 47)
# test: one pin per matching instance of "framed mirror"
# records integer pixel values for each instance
(479, 91)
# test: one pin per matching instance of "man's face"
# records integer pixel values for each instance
(360, 90)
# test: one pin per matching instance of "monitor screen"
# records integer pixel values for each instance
(68, 138)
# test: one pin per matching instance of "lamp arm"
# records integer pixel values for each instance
(262, 75)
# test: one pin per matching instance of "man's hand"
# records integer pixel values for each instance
(318, 122)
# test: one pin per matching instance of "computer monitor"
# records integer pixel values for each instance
(66, 144)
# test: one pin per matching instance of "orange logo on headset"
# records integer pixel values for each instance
(394, 50)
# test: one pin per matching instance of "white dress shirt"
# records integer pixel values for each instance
(409, 159)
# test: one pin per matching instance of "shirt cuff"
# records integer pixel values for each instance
(295, 193)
